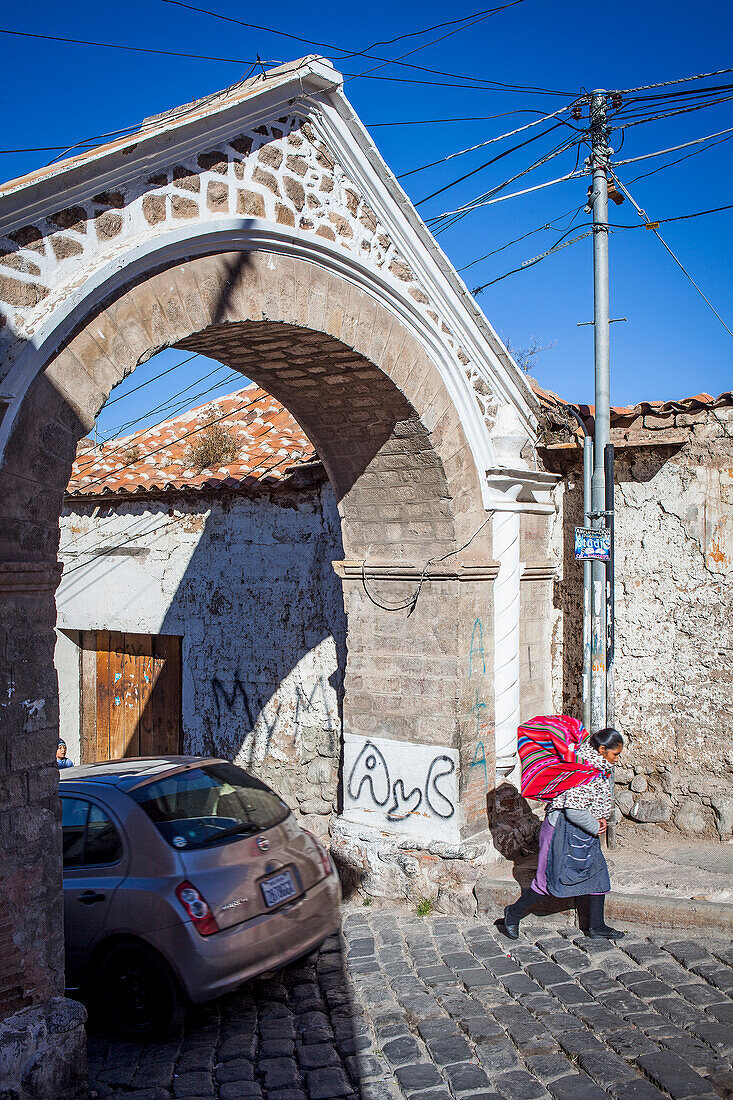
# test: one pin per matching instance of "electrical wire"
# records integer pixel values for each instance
(673, 114)
(487, 163)
(653, 227)
(679, 80)
(172, 402)
(155, 378)
(560, 244)
(133, 49)
(531, 233)
(483, 144)
(449, 218)
(94, 548)
(694, 153)
(425, 30)
(558, 247)
(41, 149)
(411, 602)
(130, 538)
(147, 124)
(640, 104)
(673, 149)
(491, 85)
(469, 22)
(312, 41)
(187, 435)
(678, 217)
(433, 121)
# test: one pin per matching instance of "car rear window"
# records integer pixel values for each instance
(201, 807)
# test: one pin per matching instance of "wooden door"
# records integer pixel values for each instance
(131, 695)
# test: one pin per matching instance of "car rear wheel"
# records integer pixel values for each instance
(137, 991)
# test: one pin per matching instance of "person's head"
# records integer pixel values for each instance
(61, 750)
(608, 743)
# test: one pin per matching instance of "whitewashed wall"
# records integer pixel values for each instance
(674, 609)
(247, 583)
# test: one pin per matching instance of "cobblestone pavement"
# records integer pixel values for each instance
(441, 1007)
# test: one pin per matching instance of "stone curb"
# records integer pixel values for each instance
(644, 909)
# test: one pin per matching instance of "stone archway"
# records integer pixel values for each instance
(372, 400)
(362, 387)
(261, 226)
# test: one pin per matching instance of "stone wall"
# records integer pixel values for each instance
(674, 605)
(42, 1039)
(246, 581)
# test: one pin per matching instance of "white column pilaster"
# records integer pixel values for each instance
(506, 640)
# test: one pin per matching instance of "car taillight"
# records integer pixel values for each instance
(198, 910)
(326, 863)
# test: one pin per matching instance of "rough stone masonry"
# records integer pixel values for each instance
(674, 599)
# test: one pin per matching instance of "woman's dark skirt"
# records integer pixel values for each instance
(539, 883)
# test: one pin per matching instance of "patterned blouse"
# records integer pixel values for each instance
(596, 796)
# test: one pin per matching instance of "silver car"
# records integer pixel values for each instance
(183, 877)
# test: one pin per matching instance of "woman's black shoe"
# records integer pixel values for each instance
(511, 924)
(604, 933)
(597, 927)
(514, 913)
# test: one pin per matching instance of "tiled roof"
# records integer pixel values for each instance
(155, 460)
(653, 415)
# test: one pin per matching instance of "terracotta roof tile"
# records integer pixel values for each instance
(625, 415)
(155, 460)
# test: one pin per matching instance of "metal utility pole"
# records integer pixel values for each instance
(598, 201)
(587, 586)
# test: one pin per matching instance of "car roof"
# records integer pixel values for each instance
(133, 771)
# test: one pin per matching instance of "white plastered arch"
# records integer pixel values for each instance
(231, 235)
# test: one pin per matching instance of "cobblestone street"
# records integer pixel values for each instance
(440, 1007)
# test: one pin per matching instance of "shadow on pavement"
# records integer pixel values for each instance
(291, 1034)
(514, 829)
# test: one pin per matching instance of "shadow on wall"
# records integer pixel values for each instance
(515, 829)
(259, 611)
(264, 638)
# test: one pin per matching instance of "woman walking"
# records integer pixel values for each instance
(574, 773)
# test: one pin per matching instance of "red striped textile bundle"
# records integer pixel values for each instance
(547, 750)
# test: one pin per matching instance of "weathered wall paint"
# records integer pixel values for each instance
(674, 607)
(247, 583)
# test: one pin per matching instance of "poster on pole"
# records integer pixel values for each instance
(592, 544)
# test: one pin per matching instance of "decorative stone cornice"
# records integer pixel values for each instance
(521, 490)
(29, 576)
(412, 571)
(538, 571)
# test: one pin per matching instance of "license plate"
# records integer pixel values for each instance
(278, 888)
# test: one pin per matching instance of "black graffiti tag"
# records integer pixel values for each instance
(221, 695)
(440, 768)
(371, 768)
(403, 804)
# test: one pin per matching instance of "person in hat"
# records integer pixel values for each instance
(61, 758)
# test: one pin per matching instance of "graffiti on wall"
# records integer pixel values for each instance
(392, 783)
(318, 705)
(230, 703)
(243, 717)
(479, 709)
(225, 699)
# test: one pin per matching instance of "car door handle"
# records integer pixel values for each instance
(90, 897)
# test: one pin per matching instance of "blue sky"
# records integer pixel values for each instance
(671, 345)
